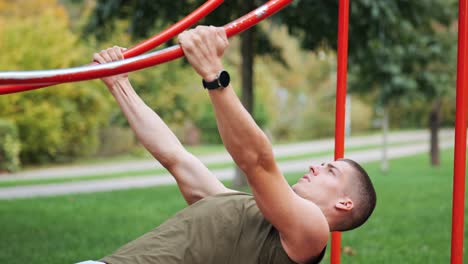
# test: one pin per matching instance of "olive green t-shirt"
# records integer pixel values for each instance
(227, 228)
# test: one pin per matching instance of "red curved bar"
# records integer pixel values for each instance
(173, 30)
(140, 62)
(140, 48)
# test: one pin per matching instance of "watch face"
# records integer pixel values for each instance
(224, 78)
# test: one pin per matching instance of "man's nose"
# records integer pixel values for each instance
(314, 170)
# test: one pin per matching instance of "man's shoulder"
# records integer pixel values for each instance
(307, 237)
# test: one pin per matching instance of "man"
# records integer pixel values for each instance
(278, 224)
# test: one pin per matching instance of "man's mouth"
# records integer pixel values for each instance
(306, 177)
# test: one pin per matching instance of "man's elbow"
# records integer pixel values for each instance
(170, 158)
(251, 161)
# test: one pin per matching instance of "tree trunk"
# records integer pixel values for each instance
(247, 97)
(384, 161)
(434, 123)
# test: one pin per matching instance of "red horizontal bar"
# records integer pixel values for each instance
(138, 49)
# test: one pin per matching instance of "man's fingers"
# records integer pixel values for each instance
(203, 48)
(105, 55)
(181, 38)
(118, 51)
(222, 41)
(221, 33)
(112, 54)
(98, 58)
(122, 50)
(186, 40)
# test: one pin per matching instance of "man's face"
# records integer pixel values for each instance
(324, 184)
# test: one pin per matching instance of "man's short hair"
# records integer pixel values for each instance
(363, 196)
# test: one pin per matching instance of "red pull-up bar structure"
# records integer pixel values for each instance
(11, 82)
(340, 112)
(459, 167)
(140, 48)
(128, 65)
(459, 177)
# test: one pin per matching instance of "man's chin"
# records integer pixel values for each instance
(294, 188)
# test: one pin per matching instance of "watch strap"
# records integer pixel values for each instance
(222, 80)
(211, 85)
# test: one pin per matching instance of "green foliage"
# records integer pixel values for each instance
(402, 49)
(115, 140)
(207, 124)
(409, 115)
(147, 15)
(400, 53)
(9, 147)
(58, 123)
(204, 117)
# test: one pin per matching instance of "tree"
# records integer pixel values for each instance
(395, 47)
(58, 123)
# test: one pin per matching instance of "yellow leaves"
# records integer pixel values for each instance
(30, 8)
(56, 122)
(41, 127)
(38, 43)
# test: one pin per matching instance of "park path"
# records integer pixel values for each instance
(410, 143)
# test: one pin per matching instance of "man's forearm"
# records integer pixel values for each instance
(244, 140)
(150, 130)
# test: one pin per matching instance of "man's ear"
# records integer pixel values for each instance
(344, 204)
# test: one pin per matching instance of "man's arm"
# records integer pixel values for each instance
(302, 225)
(195, 181)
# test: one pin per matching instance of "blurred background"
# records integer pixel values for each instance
(401, 78)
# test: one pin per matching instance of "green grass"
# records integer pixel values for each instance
(16, 182)
(411, 223)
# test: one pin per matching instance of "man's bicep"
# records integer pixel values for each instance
(194, 179)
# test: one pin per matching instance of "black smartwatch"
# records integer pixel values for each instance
(222, 81)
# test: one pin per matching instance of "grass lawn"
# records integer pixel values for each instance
(411, 223)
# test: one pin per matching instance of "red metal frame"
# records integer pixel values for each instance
(143, 46)
(136, 63)
(340, 113)
(459, 168)
(173, 30)
(261, 13)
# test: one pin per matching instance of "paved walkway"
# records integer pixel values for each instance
(310, 147)
(414, 142)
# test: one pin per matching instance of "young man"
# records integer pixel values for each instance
(278, 224)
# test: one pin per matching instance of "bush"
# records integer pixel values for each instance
(9, 146)
(115, 140)
(208, 126)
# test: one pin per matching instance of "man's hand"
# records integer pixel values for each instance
(204, 47)
(110, 55)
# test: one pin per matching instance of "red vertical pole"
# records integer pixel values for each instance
(343, 17)
(459, 168)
